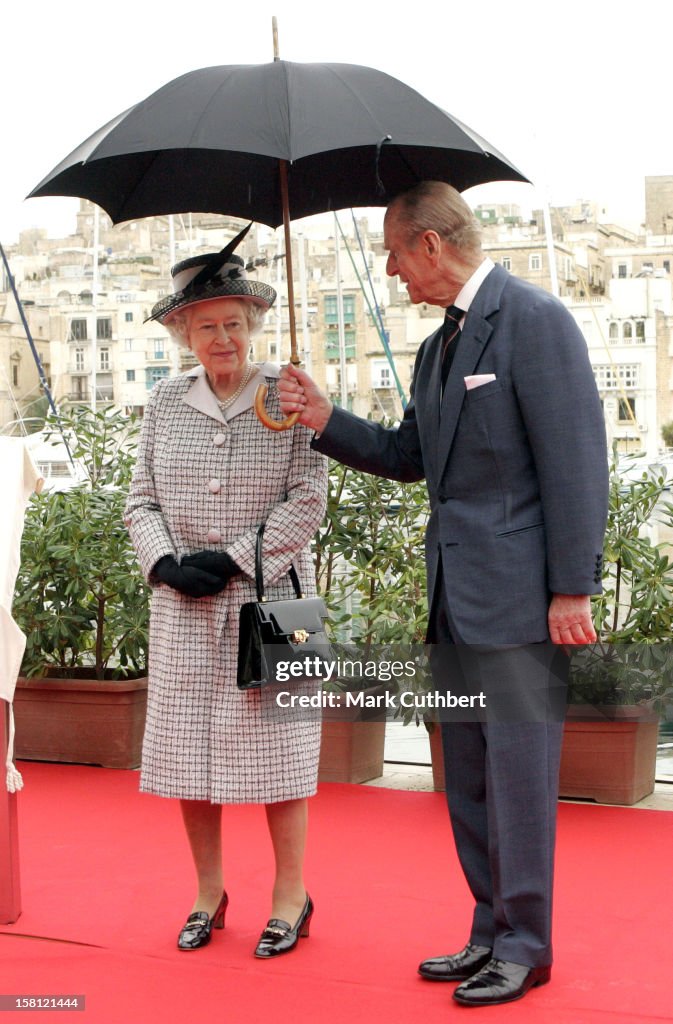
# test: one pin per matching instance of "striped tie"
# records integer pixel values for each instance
(450, 338)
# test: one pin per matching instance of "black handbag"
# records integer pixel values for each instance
(270, 632)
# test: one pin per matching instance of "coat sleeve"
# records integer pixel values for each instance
(291, 524)
(561, 409)
(362, 444)
(143, 516)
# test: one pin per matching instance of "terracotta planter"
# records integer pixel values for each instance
(80, 721)
(609, 754)
(352, 743)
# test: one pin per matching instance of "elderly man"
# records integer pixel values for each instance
(506, 426)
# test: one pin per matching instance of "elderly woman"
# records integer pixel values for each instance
(208, 474)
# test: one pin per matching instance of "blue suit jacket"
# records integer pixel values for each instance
(516, 469)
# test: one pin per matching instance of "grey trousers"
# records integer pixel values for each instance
(502, 784)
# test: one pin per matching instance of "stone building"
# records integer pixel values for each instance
(659, 204)
(616, 284)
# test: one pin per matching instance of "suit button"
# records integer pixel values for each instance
(219, 440)
(214, 536)
(443, 499)
(214, 486)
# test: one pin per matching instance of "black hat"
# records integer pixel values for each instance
(212, 276)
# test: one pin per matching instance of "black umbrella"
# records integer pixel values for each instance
(259, 141)
(210, 141)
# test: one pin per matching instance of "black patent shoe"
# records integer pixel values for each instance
(500, 981)
(278, 937)
(458, 966)
(199, 925)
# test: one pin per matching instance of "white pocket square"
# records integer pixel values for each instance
(477, 380)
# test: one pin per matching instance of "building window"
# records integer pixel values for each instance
(621, 270)
(535, 261)
(627, 410)
(614, 331)
(627, 330)
(104, 329)
(79, 360)
(78, 330)
(128, 317)
(611, 377)
(154, 374)
(667, 266)
(130, 376)
(332, 309)
(15, 375)
(104, 363)
(332, 344)
(640, 331)
(158, 348)
(381, 375)
(128, 344)
(507, 262)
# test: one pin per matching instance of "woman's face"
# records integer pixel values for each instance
(219, 336)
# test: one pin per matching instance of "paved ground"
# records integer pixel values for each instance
(407, 757)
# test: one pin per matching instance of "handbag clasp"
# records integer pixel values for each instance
(300, 636)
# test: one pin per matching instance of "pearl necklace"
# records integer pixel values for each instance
(226, 403)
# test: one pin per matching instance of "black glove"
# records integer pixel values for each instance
(218, 563)
(188, 579)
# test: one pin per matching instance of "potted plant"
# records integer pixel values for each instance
(371, 573)
(84, 607)
(620, 686)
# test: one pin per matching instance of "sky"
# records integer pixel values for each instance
(575, 94)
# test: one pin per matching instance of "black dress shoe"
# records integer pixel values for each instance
(199, 925)
(500, 981)
(457, 967)
(278, 937)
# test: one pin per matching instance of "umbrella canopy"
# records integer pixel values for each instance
(211, 141)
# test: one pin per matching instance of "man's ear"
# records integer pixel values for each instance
(432, 245)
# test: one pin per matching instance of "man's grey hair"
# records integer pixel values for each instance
(178, 325)
(436, 206)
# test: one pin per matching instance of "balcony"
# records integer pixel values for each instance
(332, 352)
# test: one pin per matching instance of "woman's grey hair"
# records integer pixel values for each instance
(436, 206)
(178, 325)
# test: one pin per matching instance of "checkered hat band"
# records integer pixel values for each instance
(262, 294)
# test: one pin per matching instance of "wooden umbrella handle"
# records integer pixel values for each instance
(263, 416)
(260, 409)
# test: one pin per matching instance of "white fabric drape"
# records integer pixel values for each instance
(18, 478)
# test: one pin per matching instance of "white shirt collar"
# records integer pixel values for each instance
(200, 396)
(465, 296)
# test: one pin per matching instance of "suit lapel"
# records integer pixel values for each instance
(475, 335)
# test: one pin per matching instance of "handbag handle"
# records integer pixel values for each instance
(259, 576)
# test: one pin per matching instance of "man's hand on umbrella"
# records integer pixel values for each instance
(299, 393)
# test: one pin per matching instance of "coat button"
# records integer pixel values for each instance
(219, 440)
(214, 536)
(214, 486)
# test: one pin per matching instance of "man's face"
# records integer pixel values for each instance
(409, 260)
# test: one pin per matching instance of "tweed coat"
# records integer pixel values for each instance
(204, 479)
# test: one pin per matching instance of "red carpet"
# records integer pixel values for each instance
(107, 882)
